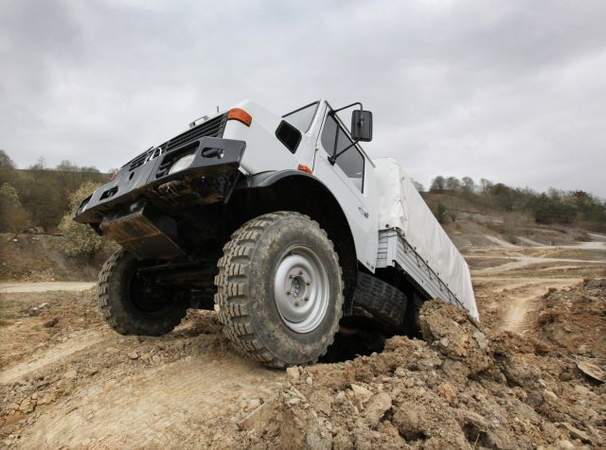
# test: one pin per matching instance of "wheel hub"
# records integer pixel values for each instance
(301, 289)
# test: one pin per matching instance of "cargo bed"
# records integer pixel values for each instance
(396, 251)
(411, 239)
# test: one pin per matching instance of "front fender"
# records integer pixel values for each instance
(266, 179)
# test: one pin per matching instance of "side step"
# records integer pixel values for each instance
(385, 303)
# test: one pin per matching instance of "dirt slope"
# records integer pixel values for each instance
(40, 257)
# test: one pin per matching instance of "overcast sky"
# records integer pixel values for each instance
(513, 91)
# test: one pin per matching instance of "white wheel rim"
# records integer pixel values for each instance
(301, 289)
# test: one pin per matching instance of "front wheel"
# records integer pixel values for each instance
(131, 304)
(280, 289)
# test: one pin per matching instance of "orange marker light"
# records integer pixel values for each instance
(304, 168)
(240, 115)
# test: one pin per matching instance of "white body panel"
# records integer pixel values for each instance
(263, 151)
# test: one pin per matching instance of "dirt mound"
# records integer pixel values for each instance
(455, 389)
(40, 257)
(576, 318)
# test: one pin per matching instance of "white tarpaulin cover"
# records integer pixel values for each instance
(401, 206)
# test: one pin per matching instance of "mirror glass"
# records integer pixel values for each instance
(361, 125)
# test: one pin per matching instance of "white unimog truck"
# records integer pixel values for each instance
(283, 225)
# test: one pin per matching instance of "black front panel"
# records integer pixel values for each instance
(211, 128)
(207, 179)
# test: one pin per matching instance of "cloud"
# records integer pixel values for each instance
(510, 91)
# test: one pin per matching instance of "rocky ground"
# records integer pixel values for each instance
(530, 376)
(460, 387)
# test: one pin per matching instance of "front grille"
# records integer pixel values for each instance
(212, 128)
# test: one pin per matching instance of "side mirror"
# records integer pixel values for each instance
(361, 125)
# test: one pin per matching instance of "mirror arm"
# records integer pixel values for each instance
(332, 159)
(348, 106)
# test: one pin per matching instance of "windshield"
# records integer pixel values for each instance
(301, 118)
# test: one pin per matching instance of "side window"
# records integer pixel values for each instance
(302, 117)
(288, 135)
(329, 135)
(334, 140)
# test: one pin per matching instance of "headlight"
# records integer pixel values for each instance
(182, 163)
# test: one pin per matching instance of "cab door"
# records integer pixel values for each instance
(351, 181)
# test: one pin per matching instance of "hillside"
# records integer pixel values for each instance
(470, 221)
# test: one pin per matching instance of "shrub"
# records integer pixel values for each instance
(441, 213)
(13, 216)
(81, 240)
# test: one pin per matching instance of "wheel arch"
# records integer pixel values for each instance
(294, 190)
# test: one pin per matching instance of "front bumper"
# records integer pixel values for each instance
(209, 179)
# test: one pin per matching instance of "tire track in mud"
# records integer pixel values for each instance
(78, 342)
(98, 389)
(517, 315)
(66, 286)
(157, 406)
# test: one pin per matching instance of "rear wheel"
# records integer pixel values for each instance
(385, 303)
(280, 289)
(132, 304)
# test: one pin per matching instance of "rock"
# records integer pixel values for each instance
(447, 391)
(342, 441)
(376, 408)
(576, 433)
(550, 431)
(591, 369)
(318, 437)
(565, 445)
(550, 395)
(258, 418)
(321, 401)
(51, 323)
(361, 394)
(47, 398)
(302, 429)
(340, 397)
(293, 373)
(309, 381)
(27, 406)
(133, 355)
(253, 404)
(293, 401)
(519, 373)
(582, 390)
(408, 420)
(481, 340)
(474, 419)
(71, 374)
